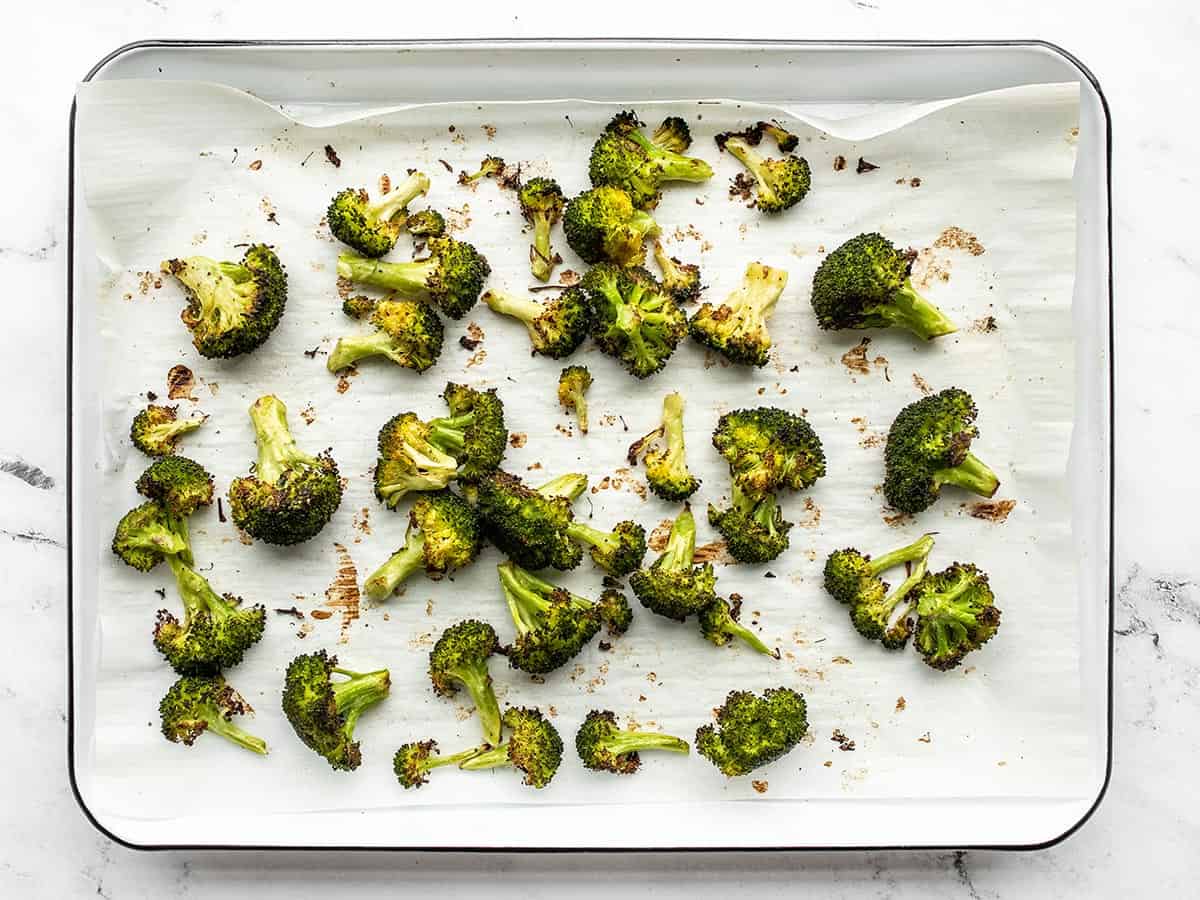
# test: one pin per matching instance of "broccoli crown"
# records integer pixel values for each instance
(737, 329)
(849, 573)
(633, 319)
(426, 223)
(526, 525)
(779, 183)
(451, 276)
(719, 624)
(413, 762)
(196, 704)
(754, 530)
(552, 625)
(460, 657)
(573, 383)
(232, 307)
(178, 483)
(323, 712)
(602, 224)
(752, 731)
(408, 332)
(623, 157)
(674, 586)
(291, 495)
(928, 445)
(474, 433)
(680, 280)
(148, 534)
(373, 228)
(156, 430)
(864, 283)
(618, 552)
(768, 449)
(667, 471)
(541, 198)
(556, 326)
(409, 461)
(673, 134)
(533, 747)
(956, 613)
(604, 747)
(615, 612)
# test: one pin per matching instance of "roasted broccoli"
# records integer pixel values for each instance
(752, 731)
(623, 157)
(409, 461)
(290, 495)
(737, 329)
(552, 624)
(768, 449)
(618, 552)
(196, 704)
(680, 280)
(853, 578)
(156, 430)
(451, 276)
(719, 624)
(528, 526)
(784, 139)
(373, 228)
(672, 134)
(573, 383)
(181, 485)
(865, 284)
(667, 471)
(426, 224)
(929, 445)
(533, 747)
(232, 307)
(408, 332)
(675, 586)
(324, 712)
(632, 318)
(956, 613)
(460, 657)
(779, 183)
(602, 224)
(491, 167)
(606, 748)
(556, 326)
(542, 205)
(443, 535)
(148, 534)
(413, 762)
(614, 609)
(754, 529)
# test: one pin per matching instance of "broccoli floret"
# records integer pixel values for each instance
(528, 526)
(181, 485)
(290, 496)
(604, 747)
(373, 228)
(667, 471)
(409, 461)
(571, 485)
(615, 612)
(451, 276)
(552, 624)
(323, 712)
(195, 704)
(956, 613)
(490, 167)
(784, 139)
(156, 430)
(556, 327)
(542, 205)
(737, 329)
(865, 284)
(673, 134)
(573, 383)
(680, 280)
(408, 332)
(602, 224)
(533, 747)
(425, 224)
(623, 157)
(674, 586)
(719, 624)
(849, 573)
(752, 731)
(474, 433)
(779, 183)
(618, 552)
(460, 657)
(754, 529)
(216, 630)
(443, 535)
(148, 534)
(768, 449)
(929, 445)
(232, 307)
(633, 319)
(412, 763)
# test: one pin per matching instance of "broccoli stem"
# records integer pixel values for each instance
(478, 683)
(432, 762)
(449, 434)
(917, 550)
(408, 280)
(621, 742)
(520, 308)
(673, 432)
(579, 402)
(681, 545)
(218, 724)
(519, 599)
(971, 475)
(220, 288)
(570, 486)
(360, 691)
(895, 599)
(910, 310)
(397, 199)
(753, 161)
(350, 350)
(277, 450)
(541, 259)
(403, 563)
(196, 593)
(165, 432)
(606, 541)
(732, 627)
(755, 300)
(673, 166)
(642, 224)
(495, 758)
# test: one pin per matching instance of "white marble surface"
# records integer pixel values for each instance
(1143, 839)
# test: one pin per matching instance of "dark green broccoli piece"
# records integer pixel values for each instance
(474, 433)
(148, 534)
(290, 496)
(849, 573)
(615, 612)
(443, 535)
(451, 276)
(156, 430)
(324, 712)
(633, 319)
(460, 657)
(768, 449)
(752, 731)
(573, 383)
(413, 762)
(528, 526)
(737, 329)
(865, 284)
(408, 332)
(552, 624)
(956, 613)
(604, 747)
(491, 167)
(623, 157)
(754, 529)
(617, 552)
(425, 224)
(556, 326)
(929, 445)
(602, 224)
(542, 205)
(784, 139)
(181, 485)
(673, 134)
(409, 461)
(373, 228)
(232, 307)
(680, 280)
(196, 704)
(674, 586)
(533, 747)
(667, 471)
(779, 183)
(719, 624)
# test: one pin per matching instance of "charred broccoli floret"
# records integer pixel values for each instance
(425, 224)
(667, 471)
(680, 280)
(490, 167)
(768, 449)
(232, 307)
(672, 134)
(373, 228)
(451, 276)
(542, 205)
(409, 461)
(854, 579)
(181, 485)
(956, 613)
(929, 445)
(148, 534)
(602, 224)
(556, 326)
(573, 383)
(754, 529)
(604, 747)
(290, 495)
(413, 762)
(632, 318)
(623, 157)
(324, 712)
(528, 526)
(737, 329)
(675, 586)
(752, 731)
(617, 552)
(719, 624)
(408, 332)
(156, 430)
(865, 284)
(615, 612)
(194, 705)
(552, 624)
(533, 747)
(779, 183)
(784, 139)
(460, 657)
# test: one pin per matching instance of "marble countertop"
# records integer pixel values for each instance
(1142, 839)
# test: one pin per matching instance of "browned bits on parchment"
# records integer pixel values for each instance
(332, 157)
(991, 510)
(342, 594)
(955, 238)
(180, 383)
